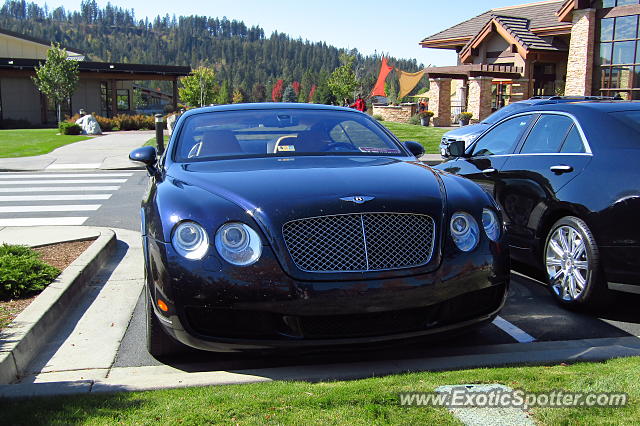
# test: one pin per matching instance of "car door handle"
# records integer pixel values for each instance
(490, 171)
(561, 169)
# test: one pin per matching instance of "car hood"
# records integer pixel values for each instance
(274, 191)
(464, 132)
(283, 189)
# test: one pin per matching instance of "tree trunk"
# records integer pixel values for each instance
(59, 112)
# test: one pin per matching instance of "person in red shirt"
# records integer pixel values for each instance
(359, 104)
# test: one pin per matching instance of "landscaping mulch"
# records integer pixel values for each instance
(59, 255)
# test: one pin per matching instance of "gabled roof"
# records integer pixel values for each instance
(541, 15)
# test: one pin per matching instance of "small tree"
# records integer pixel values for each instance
(276, 92)
(58, 77)
(225, 93)
(342, 82)
(289, 94)
(258, 93)
(238, 96)
(200, 88)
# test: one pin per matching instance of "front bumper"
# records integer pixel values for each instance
(221, 308)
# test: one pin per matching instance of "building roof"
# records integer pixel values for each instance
(540, 15)
(69, 49)
(519, 28)
(105, 70)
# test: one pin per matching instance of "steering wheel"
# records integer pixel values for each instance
(341, 147)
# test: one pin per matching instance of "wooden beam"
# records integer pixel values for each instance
(114, 98)
(175, 93)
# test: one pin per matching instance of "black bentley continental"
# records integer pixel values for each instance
(282, 226)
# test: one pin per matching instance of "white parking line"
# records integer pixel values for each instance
(72, 197)
(60, 175)
(61, 189)
(520, 335)
(63, 181)
(35, 221)
(55, 166)
(60, 208)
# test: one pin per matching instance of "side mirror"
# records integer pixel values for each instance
(147, 155)
(457, 149)
(415, 148)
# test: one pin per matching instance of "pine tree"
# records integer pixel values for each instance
(225, 93)
(289, 94)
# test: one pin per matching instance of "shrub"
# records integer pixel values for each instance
(67, 128)
(415, 120)
(22, 272)
(377, 117)
(135, 122)
(106, 124)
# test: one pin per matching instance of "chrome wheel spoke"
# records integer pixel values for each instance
(563, 241)
(573, 291)
(578, 250)
(553, 245)
(583, 265)
(554, 261)
(580, 281)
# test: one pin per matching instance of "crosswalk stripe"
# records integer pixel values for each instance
(62, 181)
(59, 208)
(61, 175)
(41, 221)
(62, 166)
(61, 189)
(70, 197)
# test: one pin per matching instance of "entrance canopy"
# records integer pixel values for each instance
(475, 70)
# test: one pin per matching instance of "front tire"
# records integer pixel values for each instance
(159, 344)
(572, 262)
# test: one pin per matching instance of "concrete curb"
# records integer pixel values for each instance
(30, 331)
(129, 379)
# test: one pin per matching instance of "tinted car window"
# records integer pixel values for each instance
(573, 143)
(502, 138)
(547, 134)
(280, 132)
(505, 111)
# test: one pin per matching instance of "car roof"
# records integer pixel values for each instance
(267, 106)
(578, 106)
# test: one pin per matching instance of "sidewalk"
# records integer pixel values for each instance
(107, 152)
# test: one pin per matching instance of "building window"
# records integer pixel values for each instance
(105, 99)
(618, 59)
(122, 99)
(614, 3)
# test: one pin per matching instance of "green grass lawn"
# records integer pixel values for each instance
(429, 137)
(29, 142)
(152, 141)
(360, 402)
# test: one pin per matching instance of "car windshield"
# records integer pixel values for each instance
(280, 132)
(505, 111)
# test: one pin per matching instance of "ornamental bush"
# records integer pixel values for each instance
(67, 128)
(415, 120)
(22, 272)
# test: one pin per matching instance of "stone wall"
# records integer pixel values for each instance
(581, 53)
(399, 114)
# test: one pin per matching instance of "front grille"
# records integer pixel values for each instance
(360, 242)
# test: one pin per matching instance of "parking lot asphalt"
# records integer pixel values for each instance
(530, 311)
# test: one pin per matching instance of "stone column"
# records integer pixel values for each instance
(479, 102)
(581, 53)
(440, 101)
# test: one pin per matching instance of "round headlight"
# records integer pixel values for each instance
(491, 224)
(464, 231)
(190, 240)
(238, 244)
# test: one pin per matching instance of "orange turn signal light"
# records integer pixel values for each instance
(163, 306)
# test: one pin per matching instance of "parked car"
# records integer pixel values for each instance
(293, 225)
(469, 133)
(568, 181)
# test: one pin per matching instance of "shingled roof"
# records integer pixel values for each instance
(519, 28)
(539, 15)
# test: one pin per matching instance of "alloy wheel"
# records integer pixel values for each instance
(567, 262)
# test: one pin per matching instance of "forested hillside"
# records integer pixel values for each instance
(243, 56)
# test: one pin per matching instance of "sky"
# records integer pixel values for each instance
(371, 26)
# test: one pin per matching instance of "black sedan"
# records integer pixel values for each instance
(567, 177)
(271, 226)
